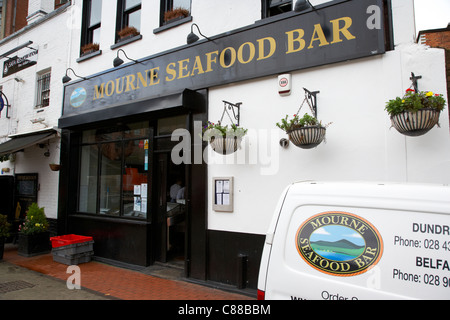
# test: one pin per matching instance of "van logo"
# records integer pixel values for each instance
(339, 243)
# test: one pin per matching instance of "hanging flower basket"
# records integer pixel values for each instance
(415, 113)
(223, 140)
(54, 166)
(417, 123)
(225, 145)
(305, 133)
(307, 137)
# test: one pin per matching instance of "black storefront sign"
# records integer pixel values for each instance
(17, 64)
(334, 33)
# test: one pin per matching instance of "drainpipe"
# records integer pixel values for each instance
(14, 17)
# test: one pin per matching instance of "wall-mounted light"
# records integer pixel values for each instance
(117, 61)
(302, 5)
(66, 78)
(192, 37)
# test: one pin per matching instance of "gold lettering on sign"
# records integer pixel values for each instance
(340, 28)
(295, 40)
(252, 51)
(344, 30)
(261, 46)
(247, 52)
(318, 35)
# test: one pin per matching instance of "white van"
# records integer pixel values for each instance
(351, 241)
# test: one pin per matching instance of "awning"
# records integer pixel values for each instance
(24, 141)
(186, 100)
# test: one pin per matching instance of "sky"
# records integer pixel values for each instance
(431, 14)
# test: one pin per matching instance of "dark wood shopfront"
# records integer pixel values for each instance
(115, 180)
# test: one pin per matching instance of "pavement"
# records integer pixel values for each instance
(41, 278)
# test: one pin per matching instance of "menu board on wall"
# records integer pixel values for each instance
(223, 194)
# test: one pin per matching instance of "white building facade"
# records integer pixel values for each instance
(121, 150)
(33, 61)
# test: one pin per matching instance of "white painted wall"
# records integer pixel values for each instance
(212, 17)
(360, 143)
(52, 39)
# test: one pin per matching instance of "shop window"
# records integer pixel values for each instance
(174, 10)
(111, 163)
(128, 16)
(114, 166)
(92, 17)
(88, 179)
(166, 126)
(43, 90)
(272, 8)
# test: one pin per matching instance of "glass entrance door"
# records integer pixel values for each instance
(170, 186)
(26, 193)
(171, 210)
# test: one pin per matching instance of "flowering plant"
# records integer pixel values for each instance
(4, 158)
(414, 101)
(35, 221)
(296, 122)
(211, 130)
(4, 226)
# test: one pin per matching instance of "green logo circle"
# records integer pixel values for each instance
(339, 243)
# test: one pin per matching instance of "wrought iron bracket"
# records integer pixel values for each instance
(4, 103)
(235, 108)
(414, 81)
(312, 99)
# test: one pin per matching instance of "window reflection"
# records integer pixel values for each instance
(88, 179)
(114, 168)
(110, 178)
(135, 180)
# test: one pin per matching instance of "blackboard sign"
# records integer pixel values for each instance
(26, 191)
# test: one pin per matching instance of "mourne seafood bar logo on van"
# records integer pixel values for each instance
(339, 243)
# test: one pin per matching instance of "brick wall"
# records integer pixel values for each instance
(15, 19)
(439, 39)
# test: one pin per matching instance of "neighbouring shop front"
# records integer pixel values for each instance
(118, 139)
(28, 169)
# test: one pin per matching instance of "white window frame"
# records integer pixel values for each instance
(43, 89)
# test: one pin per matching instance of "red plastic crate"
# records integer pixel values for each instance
(68, 239)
